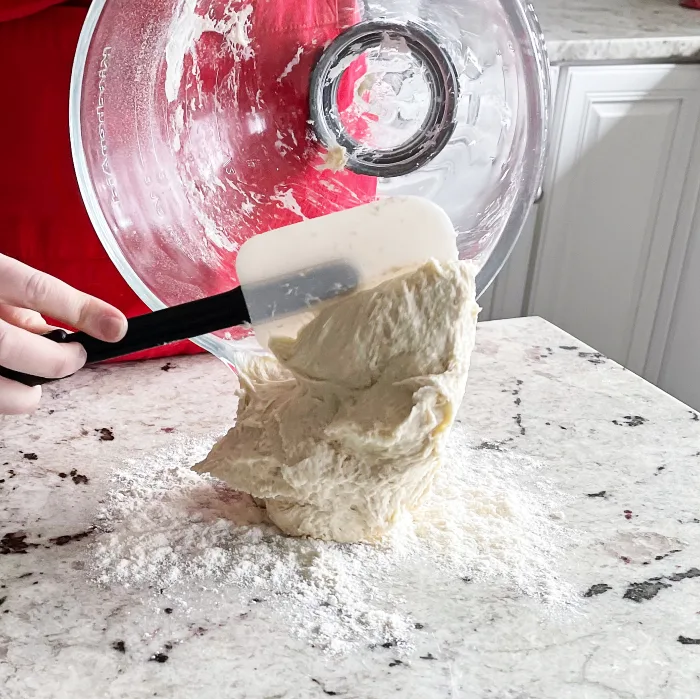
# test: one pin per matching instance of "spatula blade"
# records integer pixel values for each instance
(371, 243)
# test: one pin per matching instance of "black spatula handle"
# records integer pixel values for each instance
(153, 330)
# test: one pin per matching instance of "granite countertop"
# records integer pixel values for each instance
(619, 30)
(625, 455)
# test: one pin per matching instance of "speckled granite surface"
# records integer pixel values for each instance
(619, 30)
(627, 454)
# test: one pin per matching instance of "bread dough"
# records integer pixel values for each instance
(334, 159)
(341, 433)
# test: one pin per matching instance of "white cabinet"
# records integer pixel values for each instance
(617, 208)
(674, 361)
(612, 251)
(506, 297)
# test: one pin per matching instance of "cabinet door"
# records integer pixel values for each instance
(679, 357)
(623, 151)
(505, 298)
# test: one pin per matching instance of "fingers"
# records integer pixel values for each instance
(22, 318)
(16, 399)
(24, 351)
(25, 287)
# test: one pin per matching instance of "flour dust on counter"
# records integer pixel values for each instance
(167, 532)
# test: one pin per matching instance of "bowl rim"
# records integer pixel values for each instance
(85, 184)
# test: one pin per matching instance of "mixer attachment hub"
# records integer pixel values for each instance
(408, 96)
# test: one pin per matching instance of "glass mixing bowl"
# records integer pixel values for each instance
(196, 124)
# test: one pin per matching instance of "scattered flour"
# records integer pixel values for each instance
(163, 525)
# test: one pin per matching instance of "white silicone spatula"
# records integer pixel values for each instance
(286, 273)
(377, 241)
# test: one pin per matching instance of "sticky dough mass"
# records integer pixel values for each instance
(341, 433)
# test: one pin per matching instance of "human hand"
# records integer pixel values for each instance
(26, 293)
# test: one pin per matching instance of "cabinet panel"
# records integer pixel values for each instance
(508, 291)
(624, 138)
(506, 297)
(679, 372)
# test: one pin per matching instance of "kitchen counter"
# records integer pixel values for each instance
(619, 30)
(622, 457)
